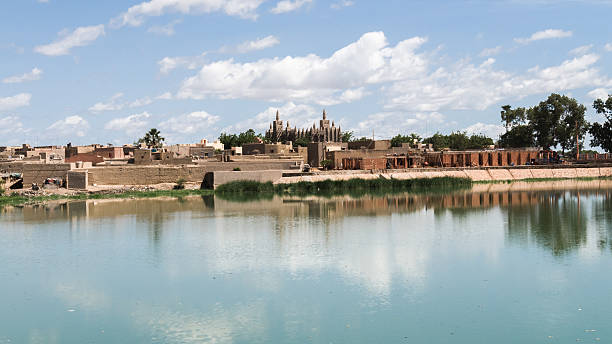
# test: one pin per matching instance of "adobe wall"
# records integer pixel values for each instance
(213, 179)
(37, 173)
(157, 174)
(494, 174)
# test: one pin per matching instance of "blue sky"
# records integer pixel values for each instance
(105, 72)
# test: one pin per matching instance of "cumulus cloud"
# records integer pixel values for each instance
(341, 4)
(11, 125)
(390, 123)
(35, 74)
(489, 130)
(465, 86)
(491, 51)
(71, 125)
(546, 34)
(298, 115)
(80, 37)
(164, 30)
(285, 6)
(136, 14)
(258, 44)
(168, 64)
(16, 101)
(132, 125)
(581, 50)
(141, 102)
(599, 93)
(608, 47)
(165, 96)
(186, 127)
(112, 104)
(368, 61)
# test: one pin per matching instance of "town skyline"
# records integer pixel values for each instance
(113, 70)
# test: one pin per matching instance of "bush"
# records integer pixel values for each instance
(180, 184)
(236, 169)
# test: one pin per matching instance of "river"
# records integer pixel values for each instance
(500, 263)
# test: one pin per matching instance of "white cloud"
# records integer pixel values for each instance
(388, 124)
(141, 102)
(11, 125)
(35, 74)
(80, 37)
(71, 125)
(16, 101)
(465, 86)
(190, 123)
(164, 30)
(490, 130)
(112, 104)
(300, 116)
(258, 44)
(599, 93)
(546, 34)
(285, 6)
(323, 80)
(165, 96)
(341, 4)
(132, 125)
(608, 47)
(490, 51)
(168, 64)
(136, 14)
(581, 50)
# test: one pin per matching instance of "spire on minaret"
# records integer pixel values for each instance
(324, 114)
(287, 124)
(277, 115)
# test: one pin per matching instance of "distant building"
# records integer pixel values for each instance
(326, 132)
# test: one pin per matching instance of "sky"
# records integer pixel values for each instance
(106, 71)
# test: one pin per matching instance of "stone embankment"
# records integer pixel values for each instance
(478, 175)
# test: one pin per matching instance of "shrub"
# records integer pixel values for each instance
(236, 169)
(180, 184)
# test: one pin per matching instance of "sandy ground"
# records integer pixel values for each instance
(101, 189)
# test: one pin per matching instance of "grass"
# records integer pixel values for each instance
(536, 180)
(355, 187)
(16, 199)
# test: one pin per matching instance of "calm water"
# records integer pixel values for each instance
(526, 263)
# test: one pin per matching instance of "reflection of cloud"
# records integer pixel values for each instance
(81, 297)
(218, 326)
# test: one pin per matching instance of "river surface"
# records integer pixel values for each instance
(518, 263)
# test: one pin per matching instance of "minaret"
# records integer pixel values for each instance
(324, 114)
(277, 115)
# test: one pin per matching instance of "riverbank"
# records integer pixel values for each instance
(43, 197)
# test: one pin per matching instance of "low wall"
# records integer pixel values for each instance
(213, 179)
(497, 174)
(157, 174)
(37, 173)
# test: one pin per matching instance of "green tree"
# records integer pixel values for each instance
(152, 139)
(459, 141)
(511, 117)
(348, 136)
(518, 137)
(602, 133)
(233, 140)
(558, 120)
(302, 141)
(397, 140)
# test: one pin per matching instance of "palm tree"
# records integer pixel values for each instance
(152, 139)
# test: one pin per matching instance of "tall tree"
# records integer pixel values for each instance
(511, 117)
(397, 140)
(602, 133)
(558, 120)
(152, 139)
(518, 137)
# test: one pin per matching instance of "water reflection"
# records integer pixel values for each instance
(290, 269)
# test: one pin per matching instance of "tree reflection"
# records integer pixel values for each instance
(555, 222)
